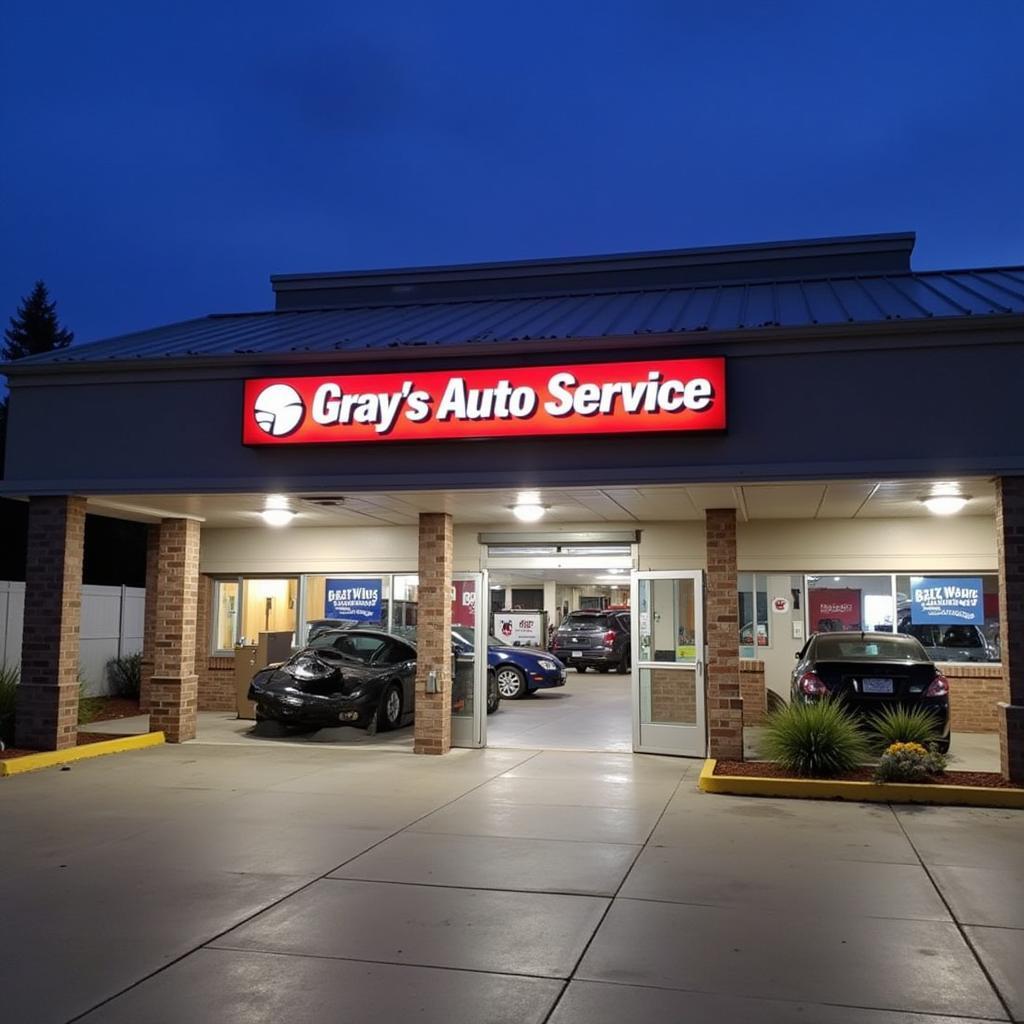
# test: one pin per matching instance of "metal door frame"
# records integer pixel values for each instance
(667, 738)
(472, 731)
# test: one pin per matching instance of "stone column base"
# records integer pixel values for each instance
(1011, 742)
(172, 707)
(46, 717)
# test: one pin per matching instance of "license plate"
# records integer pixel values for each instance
(876, 685)
(577, 654)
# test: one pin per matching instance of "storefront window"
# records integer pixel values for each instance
(352, 600)
(268, 606)
(245, 608)
(406, 602)
(956, 618)
(850, 602)
(754, 621)
(226, 614)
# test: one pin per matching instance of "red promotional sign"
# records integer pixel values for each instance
(597, 398)
(834, 608)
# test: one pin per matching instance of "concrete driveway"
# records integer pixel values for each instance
(287, 883)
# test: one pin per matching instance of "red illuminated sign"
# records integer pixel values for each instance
(534, 401)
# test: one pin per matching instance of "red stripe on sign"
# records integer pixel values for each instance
(534, 401)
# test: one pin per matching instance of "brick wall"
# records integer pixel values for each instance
(173, 690)
(1010, 547)
(673, 695)
(433, 727)
(975, 692)
(753, 692)
(724, 703)
(149, 615)
(216, 686)
(46, 714)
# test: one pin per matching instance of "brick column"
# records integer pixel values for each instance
(433, 727)
(1010, 545)
(149, 615)
(724, 704)
(46, 712)
(173, 687)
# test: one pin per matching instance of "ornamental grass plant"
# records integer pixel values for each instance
(8, 695)
(817, 740)
(897, 724)
(125, 675)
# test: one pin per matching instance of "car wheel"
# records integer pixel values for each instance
(580, 667)
(511, 683)
(604, 668)
(626, 664)
(493, 697)
(942, 746)
(390, 713)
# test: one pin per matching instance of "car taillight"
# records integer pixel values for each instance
(939, 686)
(811, 686)
(609, 638)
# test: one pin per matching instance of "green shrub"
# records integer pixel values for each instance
(88, 707)
(8, 688)
(125, 676)
(818, 740)
(908, 762)
(896, 724)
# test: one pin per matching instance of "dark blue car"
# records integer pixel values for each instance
(519, 670)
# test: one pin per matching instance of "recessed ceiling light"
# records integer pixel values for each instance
(277, 516)
(528, 512)
(945, 504)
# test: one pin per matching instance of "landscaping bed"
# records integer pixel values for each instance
(770, 770)
(106, 709)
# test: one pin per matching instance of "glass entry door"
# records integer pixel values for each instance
(469, 659)
(668, 663)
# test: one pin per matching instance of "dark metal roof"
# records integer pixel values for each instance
(795, 304)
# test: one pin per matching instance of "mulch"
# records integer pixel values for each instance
(770, 770)
(109, 708)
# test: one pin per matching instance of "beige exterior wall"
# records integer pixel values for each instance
(958, 544)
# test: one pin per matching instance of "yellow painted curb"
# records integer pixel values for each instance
(49, 758)
(863, 792)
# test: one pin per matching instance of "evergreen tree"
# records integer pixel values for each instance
(35, 328)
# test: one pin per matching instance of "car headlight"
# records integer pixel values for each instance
(307, 668)
(548, 666)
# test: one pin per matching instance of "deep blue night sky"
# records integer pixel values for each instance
(160, 160)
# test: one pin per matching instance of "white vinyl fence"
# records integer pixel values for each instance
(111, 628)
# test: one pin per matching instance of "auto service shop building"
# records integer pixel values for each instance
(753, 436)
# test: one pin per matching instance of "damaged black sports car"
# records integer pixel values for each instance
(361, 677)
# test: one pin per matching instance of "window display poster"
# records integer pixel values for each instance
(359, 600)
(520, 629)
(464, 603)
(947, 601)
(834, 608)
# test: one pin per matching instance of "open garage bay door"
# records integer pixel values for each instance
(612, 549)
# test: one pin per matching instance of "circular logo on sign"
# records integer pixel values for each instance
(278, 410)
(780, 604)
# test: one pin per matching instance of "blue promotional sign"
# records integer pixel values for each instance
(946, 602)
(353, 599)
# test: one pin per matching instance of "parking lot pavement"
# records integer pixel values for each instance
(259, 884)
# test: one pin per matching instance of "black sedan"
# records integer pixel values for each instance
(361, 677)
(869, 671)
(355, 676)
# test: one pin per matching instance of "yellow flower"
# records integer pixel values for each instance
(908, 748)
